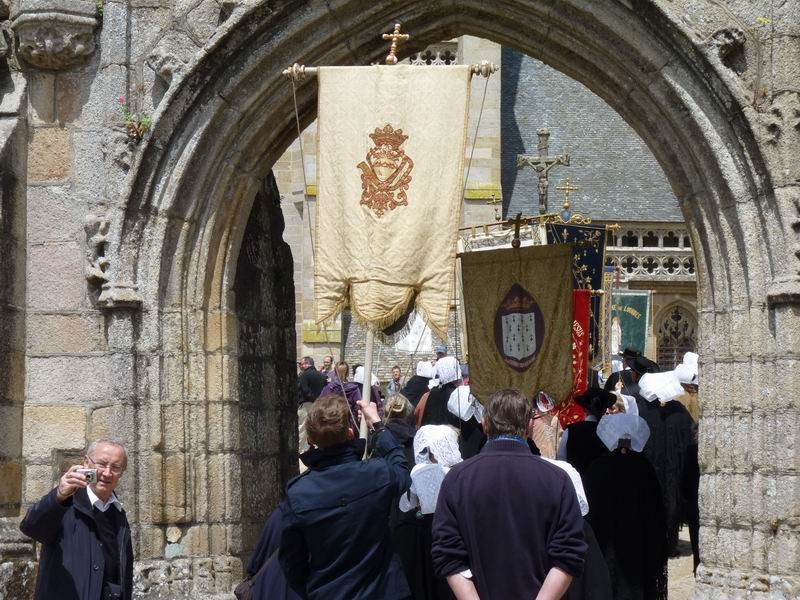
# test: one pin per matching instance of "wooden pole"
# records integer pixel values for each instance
(366, 390)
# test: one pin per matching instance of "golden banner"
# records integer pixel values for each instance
(518, 305)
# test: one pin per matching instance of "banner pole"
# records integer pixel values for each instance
(366, 390)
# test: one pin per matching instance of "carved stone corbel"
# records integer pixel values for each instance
(96, 236)
(116, 294)
(54, 34)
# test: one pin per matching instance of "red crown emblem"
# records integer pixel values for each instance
(388, 136)
(518, 304)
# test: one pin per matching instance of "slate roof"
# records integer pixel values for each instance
(619, 177)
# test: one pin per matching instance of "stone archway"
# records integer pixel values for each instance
(226, 117)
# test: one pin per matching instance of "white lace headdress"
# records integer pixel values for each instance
(447, 369)
(441, 440)
(464, 405)
(612, 428)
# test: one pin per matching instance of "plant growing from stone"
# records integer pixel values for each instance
(760, 91)
(137, 123)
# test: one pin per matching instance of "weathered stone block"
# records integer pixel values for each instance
(148, 542)
(55, 277)
(54, 214)
(10, 431)
(113, 422)
(10, 486)
(195, 541)
(47, 428)
(68, 379)
(41, 98)
(65, 333)
(151, 485)
(48, 155)
(218, 539)
(784, 553)
(175, 427)
(112, 36)
(39, 480)
(221, 332)
(175, 483)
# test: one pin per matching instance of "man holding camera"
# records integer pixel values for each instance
(86, 542)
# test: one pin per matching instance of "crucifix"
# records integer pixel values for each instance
(542, 165)
(396, 37)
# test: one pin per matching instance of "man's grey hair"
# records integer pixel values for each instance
(308, 360)
(110, 441)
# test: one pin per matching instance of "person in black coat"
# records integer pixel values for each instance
(270, 582)
(86, 541)
(448, 373)
(417, 385)
(310, 382)
(580, 445)
(626, 511)
(336, 542)
(626, 375)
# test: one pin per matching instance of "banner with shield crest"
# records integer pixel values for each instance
(518, 308)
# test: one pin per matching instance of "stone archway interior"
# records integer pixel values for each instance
(267, 384)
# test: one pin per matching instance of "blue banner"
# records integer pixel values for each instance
(588, 260)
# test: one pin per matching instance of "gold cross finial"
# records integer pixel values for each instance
(494, 202)
(396, 37)
(567, 187)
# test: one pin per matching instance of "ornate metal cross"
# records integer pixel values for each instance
(396, 37)
(567, 187)
(542, 165)
(494, 202)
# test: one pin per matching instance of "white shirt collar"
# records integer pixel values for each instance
(95, 501)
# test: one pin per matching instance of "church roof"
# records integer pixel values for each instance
(618, 176)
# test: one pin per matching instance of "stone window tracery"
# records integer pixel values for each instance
(677, 334)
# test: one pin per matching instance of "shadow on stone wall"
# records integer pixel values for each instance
(264, 289)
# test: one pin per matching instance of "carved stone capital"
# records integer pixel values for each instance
(54, 34)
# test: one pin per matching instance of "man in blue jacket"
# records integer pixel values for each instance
(85, 537)
(507, 523)
(336, 542)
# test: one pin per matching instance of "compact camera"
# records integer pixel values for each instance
(89, 474)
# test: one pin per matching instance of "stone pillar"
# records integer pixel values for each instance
(17, 560)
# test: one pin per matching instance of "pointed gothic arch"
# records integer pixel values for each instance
(227, 117)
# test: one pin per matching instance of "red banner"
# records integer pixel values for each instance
(571, 412)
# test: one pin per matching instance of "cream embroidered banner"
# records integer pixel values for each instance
(390, 165)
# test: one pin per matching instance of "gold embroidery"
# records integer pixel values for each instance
(386, 173)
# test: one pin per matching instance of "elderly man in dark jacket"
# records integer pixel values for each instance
(85, 537)
(336, 542)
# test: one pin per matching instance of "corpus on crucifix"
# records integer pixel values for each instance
(542, 165)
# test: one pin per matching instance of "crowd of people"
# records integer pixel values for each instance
(455, 499)
(447, 497)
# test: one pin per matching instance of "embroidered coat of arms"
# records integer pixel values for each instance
(386, 172)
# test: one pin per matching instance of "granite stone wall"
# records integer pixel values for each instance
(133, 236)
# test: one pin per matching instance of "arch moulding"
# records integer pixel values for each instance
(228, 115)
